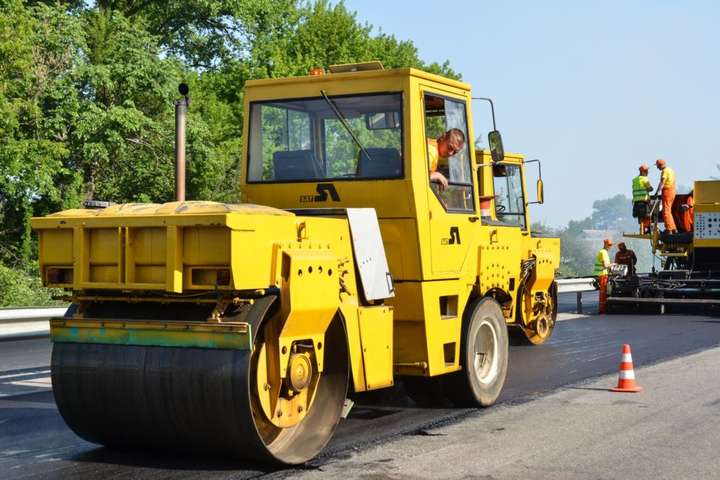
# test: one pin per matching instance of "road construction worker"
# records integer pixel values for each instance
(641, 190)
(626, 256)
(666, 189)
(687, 211)
(601, 270)
(439, 150)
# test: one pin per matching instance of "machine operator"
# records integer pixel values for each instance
(439, 150)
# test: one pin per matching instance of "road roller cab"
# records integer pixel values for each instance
(240, 329)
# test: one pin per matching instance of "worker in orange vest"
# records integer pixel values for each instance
(666, 189)
(687, 210)
(626, 256)
(601, 271)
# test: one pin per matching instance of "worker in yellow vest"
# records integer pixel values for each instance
(666, 189)
(601, 270)
(641, 190)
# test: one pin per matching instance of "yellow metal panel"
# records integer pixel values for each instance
(422, 328)
(148, 245)
(706, 242)
(707, 192)
(349, 309)
(80, 247)
(206, 245)
(499, 259)
(361, 79)
(376, 333)
(103, 273)
(103, 245)
(441, 330)
(253, 239)
(146, 255)
(307, 314)
(544, 273)
(174, 259)
(410, 348)
(305, 274)
(401, 247)
(408, 302)
(56, 247)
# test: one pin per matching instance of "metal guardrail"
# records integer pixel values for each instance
(27, 323)
(578, 286)
(565, 285)
(30, 313)
(569, 285)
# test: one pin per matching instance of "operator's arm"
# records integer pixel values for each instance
(634, 257)
(606, 259)
(439, 178)
(662, 182)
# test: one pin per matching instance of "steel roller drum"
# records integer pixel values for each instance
(189, 399)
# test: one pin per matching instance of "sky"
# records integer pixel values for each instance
(593, 89)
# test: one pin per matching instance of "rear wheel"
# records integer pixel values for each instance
(540, 329)
(484, 357)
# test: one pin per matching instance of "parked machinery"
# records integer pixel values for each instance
(689, 278)
(239, 329)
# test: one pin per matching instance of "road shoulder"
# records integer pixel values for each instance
(670, 430)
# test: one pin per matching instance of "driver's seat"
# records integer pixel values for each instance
(294, 165)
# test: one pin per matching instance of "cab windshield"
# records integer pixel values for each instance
(309, 140)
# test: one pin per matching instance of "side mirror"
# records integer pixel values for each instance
(496, 146)
(540, 191)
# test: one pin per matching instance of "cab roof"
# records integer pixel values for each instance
(360, 75)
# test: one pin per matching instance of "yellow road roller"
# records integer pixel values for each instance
(240, 330)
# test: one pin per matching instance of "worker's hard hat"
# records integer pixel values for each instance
(660, 162)
(644, 168)
(607, 242)
(621, 244)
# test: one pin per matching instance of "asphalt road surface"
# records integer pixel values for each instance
(34, 441)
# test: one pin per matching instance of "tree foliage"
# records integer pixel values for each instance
(581, 239)
(87, 94)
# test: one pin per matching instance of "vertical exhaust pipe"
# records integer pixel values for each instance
(180, 112)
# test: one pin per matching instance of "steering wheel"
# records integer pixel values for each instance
(499, 208)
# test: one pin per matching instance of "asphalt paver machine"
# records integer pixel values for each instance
(689, 275)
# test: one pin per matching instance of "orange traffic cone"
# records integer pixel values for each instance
(626, 379)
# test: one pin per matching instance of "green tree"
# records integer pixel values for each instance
(38, 49)
(87, 92)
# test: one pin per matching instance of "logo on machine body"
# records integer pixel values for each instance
(454, 238)
(323, 190)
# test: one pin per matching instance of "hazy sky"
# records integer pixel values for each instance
(591, 88)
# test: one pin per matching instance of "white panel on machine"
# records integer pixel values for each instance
(370, 254)
(707, 226)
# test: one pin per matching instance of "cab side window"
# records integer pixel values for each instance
(442, 115)
(509, 199)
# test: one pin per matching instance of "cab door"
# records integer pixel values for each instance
(453, 218)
